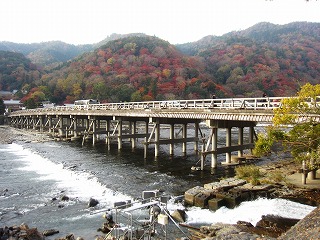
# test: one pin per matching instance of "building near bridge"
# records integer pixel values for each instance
(7, 95)
(13, 105)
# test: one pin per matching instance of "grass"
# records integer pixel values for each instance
(250, 173)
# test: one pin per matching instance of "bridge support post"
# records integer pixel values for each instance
(251, 135)
(240, 141)
(156, 139)
(41, 120)
(228, 144)
(68, 126)
(50, 123)
(203, 157)
(214, 146)
(171, 147)
(94, 131)
(146, 139)
(196, 135)
(133, 126)
(120, 135)
(75, 127)
(60, 127)
(30, 123)
(184, 137)
(34, 123)
(108, 134)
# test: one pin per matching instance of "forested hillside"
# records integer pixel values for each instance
(131, 69)
(46, 54)
(17, 72)
(49, 55)
(275, 59)
(266, 58)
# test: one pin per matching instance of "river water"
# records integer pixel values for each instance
(33, 174)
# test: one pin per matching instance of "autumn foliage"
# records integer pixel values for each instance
(265, 58)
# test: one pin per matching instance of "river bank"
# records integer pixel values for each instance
(9, 135)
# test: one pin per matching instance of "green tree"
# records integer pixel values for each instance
(302, 138)
(30, 103)
(2, 107)
(136, 96)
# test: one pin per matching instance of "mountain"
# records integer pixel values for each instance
(52, 54)
(115, 36)
(16, 71)
(48, 54)
(131, 69)
(265, 58)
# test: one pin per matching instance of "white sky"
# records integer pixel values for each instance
(176, 21)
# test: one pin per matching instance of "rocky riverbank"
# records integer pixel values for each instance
(9, 135)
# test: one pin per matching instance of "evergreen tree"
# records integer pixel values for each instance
(2, 107)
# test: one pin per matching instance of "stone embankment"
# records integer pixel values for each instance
(231, 192)
(228, 192)
(23, 232)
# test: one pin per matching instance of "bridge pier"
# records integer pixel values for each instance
(145, 146)
(184, 136)
(214, 147)
(75, 127)
(229, 148)
(119, 134)
(240, 141)
(94, 129)
(171, 136)
(228, 145)
(133, 130)
(156, 139)
(196, 135)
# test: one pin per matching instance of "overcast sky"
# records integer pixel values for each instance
(176, 21)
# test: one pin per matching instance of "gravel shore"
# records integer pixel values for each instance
(9, 135)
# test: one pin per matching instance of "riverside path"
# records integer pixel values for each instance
(144, 120)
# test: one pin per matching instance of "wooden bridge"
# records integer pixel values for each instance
(143, 120)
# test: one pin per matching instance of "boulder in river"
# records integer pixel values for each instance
(179, 215)
(50, 232)
(64, 198)
(93, 202)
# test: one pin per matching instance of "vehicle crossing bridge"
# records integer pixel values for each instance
(144, 120)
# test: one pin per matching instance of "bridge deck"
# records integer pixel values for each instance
(235, 109)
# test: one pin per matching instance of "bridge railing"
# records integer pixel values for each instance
(199, 104)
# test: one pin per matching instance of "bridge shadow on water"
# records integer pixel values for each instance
(178, 166)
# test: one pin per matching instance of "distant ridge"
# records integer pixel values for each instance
(265, 58)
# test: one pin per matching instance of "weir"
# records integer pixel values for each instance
(144, 122)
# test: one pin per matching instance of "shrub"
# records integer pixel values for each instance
(263, 145)
(276, 176)
(250, 173)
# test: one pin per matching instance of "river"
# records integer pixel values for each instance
(33, 174)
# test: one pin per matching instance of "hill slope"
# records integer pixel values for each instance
(132, 68)
(276, 59)
(46, 53)
(51, 54)
(16, 71)
(266, 58)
